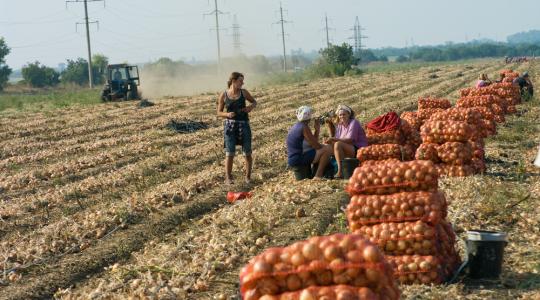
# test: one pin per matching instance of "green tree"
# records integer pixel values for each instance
(335, 60)
(77, 72)
(4, 69)
(100, 63)
(39, 75)
(341, 55)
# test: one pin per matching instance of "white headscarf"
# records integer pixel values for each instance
(343, 107)
(304, 113)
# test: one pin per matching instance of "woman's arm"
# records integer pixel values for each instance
(251, 100)
(310, 138)
(221, 106)
(331, 127)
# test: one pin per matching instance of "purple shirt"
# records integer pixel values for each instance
(353, 131)
(481, 83)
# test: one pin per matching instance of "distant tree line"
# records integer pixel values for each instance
(460, 51)
(76, 72)
(529, 37)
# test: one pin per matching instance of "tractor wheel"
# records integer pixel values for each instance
(132, 94)
(105, 96)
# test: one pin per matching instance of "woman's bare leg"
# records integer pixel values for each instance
(324, 155)
(249, 166)
(228, 169)
(341, 151)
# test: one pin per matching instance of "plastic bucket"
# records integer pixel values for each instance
(302, 172)
(348, 165)
(485, 251)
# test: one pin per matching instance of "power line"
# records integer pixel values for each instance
(327, 29)
(217, 12)
(357, 37)
(90, 76)
(282, 22)
(236, 36)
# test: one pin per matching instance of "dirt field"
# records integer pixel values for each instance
(105, 202)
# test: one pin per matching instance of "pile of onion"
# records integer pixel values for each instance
(399, 207)
(445, 131)
(402, 238)
(428, 102)
(428, 151)
(342, 292)
(379, 152)
(455, 153)
(477, 147)
(425, 114)
(380, 162)
(416, 269)
(455, 170)
(319, 261)
(462, 114)
(408, 150)
(389, 178)
(387, 137)
(411, 118)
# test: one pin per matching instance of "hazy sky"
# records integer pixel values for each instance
(143, 30)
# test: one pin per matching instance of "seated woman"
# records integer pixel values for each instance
(303, 147)
(348, 136)
(483, 81)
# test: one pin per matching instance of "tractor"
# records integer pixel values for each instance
(122, 82)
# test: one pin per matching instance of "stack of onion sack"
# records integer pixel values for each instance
(336, 264)
(495, 103)
(452, 145)
(389, 137)
(509, 75)
(482, 128)
(506, 91)
(397, 206)
(427, 106)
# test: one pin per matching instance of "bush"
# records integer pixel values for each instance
(402, 58)
(77, 72)
(39, 75)
(354, 72)
(4, 69)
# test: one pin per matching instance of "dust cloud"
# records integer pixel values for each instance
(170, 78)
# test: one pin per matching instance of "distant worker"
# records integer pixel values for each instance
(525, 85)
(483, 81)
(303, 147)
(117, 75)
(237, 130)
(347, 136)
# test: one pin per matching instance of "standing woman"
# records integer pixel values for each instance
(232, 107)
(348, 136)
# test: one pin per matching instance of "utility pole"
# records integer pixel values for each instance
(357, 37)
(282, 22)
(86, 21)
(326, 27)
(217, 12)
(236, 36)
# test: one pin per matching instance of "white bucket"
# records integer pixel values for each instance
(537, 160)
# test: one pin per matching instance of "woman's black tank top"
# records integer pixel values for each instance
(236, 107)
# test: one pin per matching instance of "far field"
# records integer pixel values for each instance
(102, 201)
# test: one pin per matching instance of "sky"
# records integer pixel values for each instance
(139, 31)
